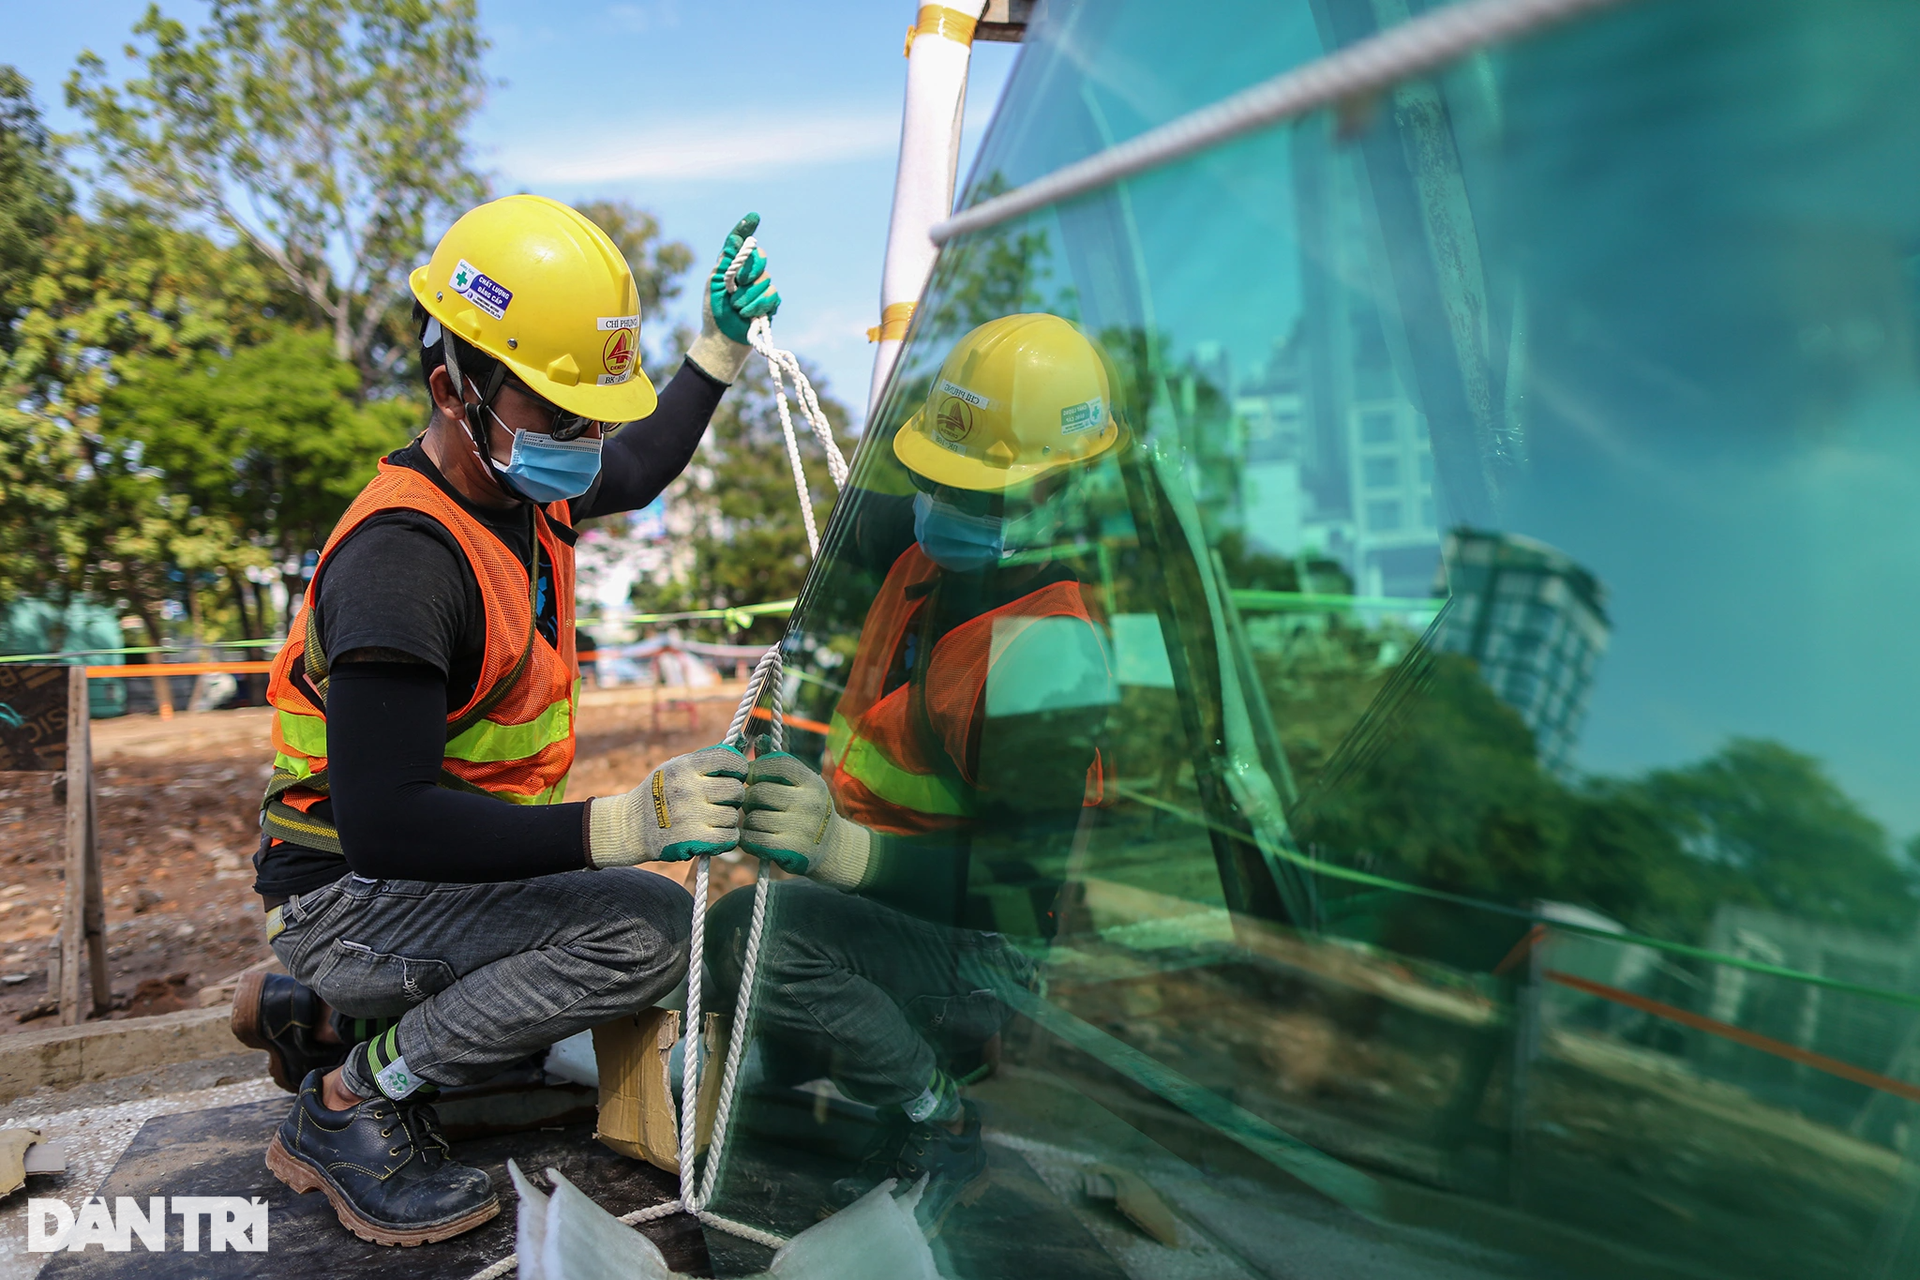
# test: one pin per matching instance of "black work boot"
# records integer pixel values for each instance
(385, 1166)
(954, 1164)
(273, 1012)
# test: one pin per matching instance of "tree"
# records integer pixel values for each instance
(173, 430)
(1770, 820)
(736, 502)
(327, 134)
(39, 468)
(115, 287)
(34, 197)
(267, 443)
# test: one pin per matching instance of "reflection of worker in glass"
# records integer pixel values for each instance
(968, 723)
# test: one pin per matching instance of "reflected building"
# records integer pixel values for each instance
(1535, 622)
(1270, 407)
(1337, 456)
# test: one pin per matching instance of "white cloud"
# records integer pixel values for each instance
(639, 19)
(708, 148)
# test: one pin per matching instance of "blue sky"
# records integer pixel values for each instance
(696, 111)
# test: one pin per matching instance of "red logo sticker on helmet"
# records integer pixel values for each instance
(955, 421)
(617, 354)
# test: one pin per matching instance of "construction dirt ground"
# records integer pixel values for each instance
(178, 806)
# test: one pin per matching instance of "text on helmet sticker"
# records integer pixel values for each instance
(1087, 416)
(973, 398)
(619, 322)
(482, 290)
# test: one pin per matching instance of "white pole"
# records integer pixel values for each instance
(940, 44)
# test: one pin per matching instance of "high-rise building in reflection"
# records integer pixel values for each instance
(1337, 456)
(1535, 622)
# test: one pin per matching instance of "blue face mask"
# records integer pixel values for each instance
(953, 539)
(544, 470)
(961, 542)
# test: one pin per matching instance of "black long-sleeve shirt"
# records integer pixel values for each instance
(401, 584)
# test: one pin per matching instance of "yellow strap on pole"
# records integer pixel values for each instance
(894, 317)
(938, 20)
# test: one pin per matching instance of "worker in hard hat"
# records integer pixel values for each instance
(442, 911)
(973, 707)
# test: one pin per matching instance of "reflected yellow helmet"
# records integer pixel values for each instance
(539, 288)
(1014, 399)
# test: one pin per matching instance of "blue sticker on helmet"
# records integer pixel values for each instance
(482, 290)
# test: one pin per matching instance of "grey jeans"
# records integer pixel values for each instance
(481, 975)
(879, 998)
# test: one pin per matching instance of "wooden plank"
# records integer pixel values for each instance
(73, 929)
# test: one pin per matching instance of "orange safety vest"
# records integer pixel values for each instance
(513, 739)
(887, 771)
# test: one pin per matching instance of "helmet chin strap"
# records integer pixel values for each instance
(476, 431)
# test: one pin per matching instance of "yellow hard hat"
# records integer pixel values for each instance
(1014, 399)
(539, 288)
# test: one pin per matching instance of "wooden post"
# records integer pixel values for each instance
(97, 971)
(83, 923)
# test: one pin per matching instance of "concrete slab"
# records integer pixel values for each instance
(61, 1057)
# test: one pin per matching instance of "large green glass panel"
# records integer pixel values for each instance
(1436, 795)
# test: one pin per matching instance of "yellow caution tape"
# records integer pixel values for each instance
(938, 20)
(895, 316)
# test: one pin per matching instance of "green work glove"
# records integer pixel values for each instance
(788, 816)
(687, 807)
(721, 349)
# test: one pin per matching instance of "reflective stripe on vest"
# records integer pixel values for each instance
(890, 776)
(868, 764)
(484, 743)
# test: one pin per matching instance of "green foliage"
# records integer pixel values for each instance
(326, 134)
(269, 442)
(1442, 788)
(735, 511)
(34, 197)
(1769, 819)
(84, 514)
(125, 283)
(39, 467)
(171, 430)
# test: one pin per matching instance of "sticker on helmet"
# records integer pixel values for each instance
(1087, 416)
(954, 423)
(616, 356)
(973, 398)
(619, 322)
(482, 290)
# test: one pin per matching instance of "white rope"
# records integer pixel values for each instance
(1359, 71)
(784, 364)
(696, 1192)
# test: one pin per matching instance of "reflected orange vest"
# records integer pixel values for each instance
(514, 737)
(900, 769)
